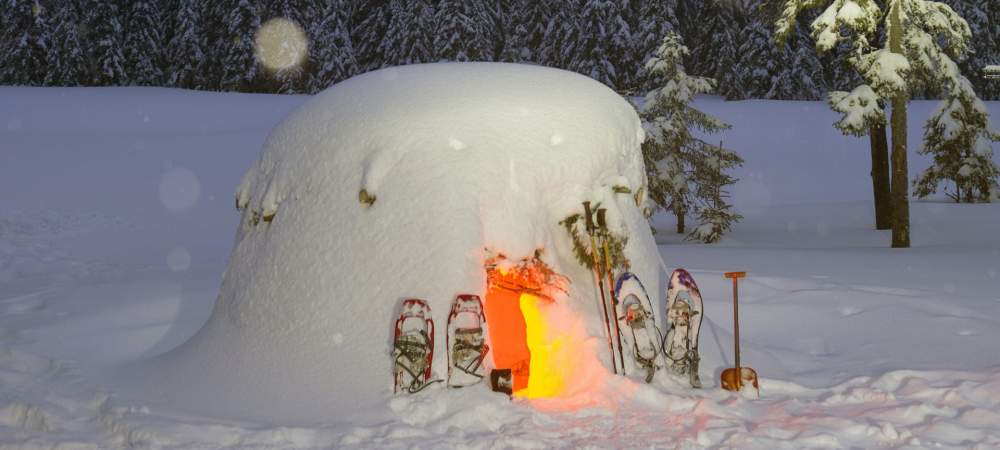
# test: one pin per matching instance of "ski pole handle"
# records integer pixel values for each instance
(590, 217)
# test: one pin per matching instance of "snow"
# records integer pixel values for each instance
(858, 345)
(458, 173)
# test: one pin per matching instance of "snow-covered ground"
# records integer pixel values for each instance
(118, 220)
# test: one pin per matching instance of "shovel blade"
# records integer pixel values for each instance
(736, 378)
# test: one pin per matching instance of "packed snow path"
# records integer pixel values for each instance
(118, 221)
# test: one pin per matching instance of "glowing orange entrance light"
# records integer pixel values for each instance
(549, 371)
(521, 333)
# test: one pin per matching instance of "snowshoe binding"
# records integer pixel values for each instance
(466, 341)
(637, 318)
(684, 313)
(413, 347)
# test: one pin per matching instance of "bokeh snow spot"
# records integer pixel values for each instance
(14, 124)
(949, 288)
(338, 339)
(179, 259)
(456, 144)
(848, 311)
(280, 44)
(556, 139)
(179, 189)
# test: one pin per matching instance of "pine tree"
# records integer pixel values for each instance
(751, 75)
(408, 38)
(28, 42)
(562, 37)
(655, 21)
(496, 27)
(369, 30)
(922, 38)
(959, 137)
(533, 17)
(685, 173)
(143, 39)
(457, 32)
(591, 54)
(333, 53)
(234, 45)
(106, 34)
(186, 53)
(67, 59)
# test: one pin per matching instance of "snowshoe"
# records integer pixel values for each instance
(684, 313)
(413, 347)
(636, 317)
(466, 341)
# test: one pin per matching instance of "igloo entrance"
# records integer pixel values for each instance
(519, 313)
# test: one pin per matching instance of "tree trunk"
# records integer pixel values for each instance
(679, 211)
(900, 182)
(880, 176)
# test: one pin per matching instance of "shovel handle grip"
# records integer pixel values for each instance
(736, 275)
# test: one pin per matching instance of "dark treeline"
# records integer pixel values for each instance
(198, 44)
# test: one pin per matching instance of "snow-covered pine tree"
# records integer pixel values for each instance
(983, 17)
(234, 45)
(922, 37)
(562, 37)
(106, 34)
(622, 52)
(369, 28)
(655, 20)
(457, 32)
(25, 44)
(186, 53)
(67, 60)
(797, 71)
(592, 52)
(144, 36)
(685, 174)
(756, 61)
(711, 179)
(332, 52)
(533, 16)
(864, 115)
(409, 36)
(959, 137)
(496, 26)
(703, 22)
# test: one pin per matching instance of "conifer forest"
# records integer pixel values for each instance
(202, 45)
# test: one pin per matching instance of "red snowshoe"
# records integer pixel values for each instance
(466, 341)
(413, 347)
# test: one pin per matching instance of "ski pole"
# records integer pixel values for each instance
(602, 224)
(600, 282)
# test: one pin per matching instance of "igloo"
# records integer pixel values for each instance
(412, 182)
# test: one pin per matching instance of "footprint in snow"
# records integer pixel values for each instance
(849, 311)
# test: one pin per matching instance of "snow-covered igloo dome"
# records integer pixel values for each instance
(401, 183)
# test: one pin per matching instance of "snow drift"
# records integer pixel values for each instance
(463, 161)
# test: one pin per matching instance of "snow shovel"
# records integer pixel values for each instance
(735, 378)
